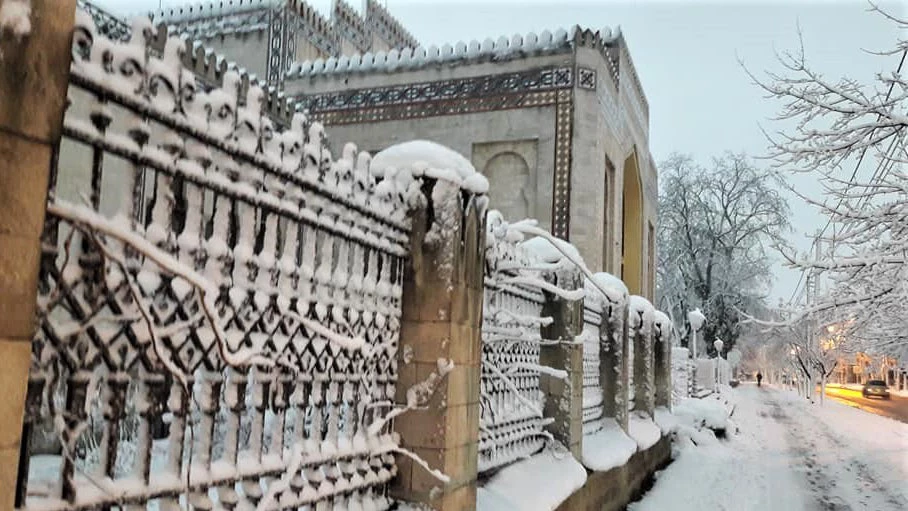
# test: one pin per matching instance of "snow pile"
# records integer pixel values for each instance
(607, 448)
(425, 158)
(666, 420)
(15, 17)
(643, 430)
(539, 483)
(699, 420)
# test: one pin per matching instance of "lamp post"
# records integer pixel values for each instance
(718, 345)
(696, 320)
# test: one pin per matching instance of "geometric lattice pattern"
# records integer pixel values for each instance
(220, 308)
(592, 389)
(511, 420)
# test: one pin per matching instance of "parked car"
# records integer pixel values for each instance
(875, 388)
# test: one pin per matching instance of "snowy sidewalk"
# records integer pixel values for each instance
(790, 455)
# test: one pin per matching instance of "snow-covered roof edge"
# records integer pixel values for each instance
(517, 46)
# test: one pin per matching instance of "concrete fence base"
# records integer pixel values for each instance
(616, 488)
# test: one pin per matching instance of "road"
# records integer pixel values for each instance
(896, 407)
(788, 454)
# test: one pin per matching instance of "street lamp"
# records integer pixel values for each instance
(696, 320)
(718, 345)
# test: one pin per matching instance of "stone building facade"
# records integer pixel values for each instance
(558, 123)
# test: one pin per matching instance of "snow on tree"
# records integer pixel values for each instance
(715, 226)
(837, 124)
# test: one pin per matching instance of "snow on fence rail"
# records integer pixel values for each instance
(219, 301)
(511, 420)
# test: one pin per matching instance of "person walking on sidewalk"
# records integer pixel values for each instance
(759, 378)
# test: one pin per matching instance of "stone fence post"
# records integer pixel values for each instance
(662, 337)
(613, 366)
(640, 321)
(35, 53)
(442, 321)
(564, 396)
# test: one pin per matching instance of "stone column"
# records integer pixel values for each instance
(613, 366)
(34, 73)
(662, 335)
(564, 396)
(442, 320)
(640, 321)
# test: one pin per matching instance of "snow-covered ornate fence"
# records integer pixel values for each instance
(219, 304)
(511, 414)
(592, 388)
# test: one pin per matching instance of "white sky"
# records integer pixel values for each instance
(701, 101)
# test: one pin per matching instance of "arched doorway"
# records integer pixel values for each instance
(632, 228)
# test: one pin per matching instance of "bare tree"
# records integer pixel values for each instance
(715, 227)
(838, 124)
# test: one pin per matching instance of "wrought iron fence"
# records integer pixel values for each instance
(219, 300)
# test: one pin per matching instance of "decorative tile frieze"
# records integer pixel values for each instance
(507, 88)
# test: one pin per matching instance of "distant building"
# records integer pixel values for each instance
(266, 36)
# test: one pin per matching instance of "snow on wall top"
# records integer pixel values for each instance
(15, 17)
(422, 157)
(641, 310)
(545, 251)
(615, 287)
(504, 48)
(662, 323)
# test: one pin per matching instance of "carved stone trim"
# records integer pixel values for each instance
(435, 108)
(586, 78)
(561, 196)
(516, 87)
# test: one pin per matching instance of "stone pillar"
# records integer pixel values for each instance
(564, 396)
(613, 366)
(34, 73)
(640, 321)
(442, 320)
(662, 336)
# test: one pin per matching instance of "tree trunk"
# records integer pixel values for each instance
(822, 388)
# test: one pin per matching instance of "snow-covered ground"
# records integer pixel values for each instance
(789, 455)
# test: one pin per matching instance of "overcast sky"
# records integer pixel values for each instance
(686, 54)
